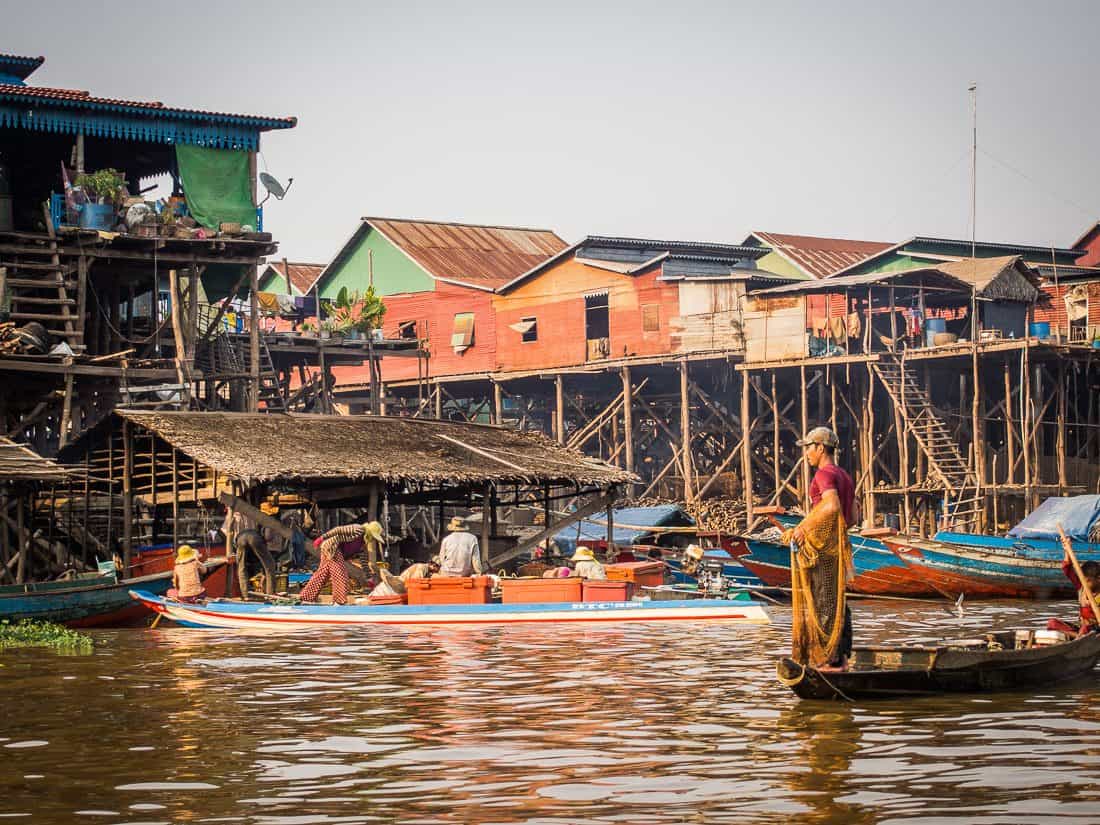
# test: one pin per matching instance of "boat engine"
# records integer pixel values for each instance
(712, 580)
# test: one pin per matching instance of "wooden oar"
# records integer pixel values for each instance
(1068, 547)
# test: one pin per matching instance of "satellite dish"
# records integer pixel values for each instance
(273, 187)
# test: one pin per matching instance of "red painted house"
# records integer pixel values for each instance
(609, 298)
(436, 280)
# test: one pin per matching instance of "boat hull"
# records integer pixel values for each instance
(978, 573)
(950, 672)
(878, 571)
(252, 615)
(94, 605)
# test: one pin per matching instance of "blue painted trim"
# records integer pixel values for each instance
(168, 126)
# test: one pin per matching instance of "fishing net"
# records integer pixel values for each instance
(819, 571)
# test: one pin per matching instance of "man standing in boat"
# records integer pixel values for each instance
(821, 563)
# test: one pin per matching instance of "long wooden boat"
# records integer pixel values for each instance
(92, 600)
(235, 614)
(1018, 546)
(982, 573)
(877, 570)
(883, 672)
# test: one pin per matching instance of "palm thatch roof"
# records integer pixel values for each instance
(1006, 278)
(19, 463)
(257, 448)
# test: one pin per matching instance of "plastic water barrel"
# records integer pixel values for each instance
(1039, 329)
(931, 327)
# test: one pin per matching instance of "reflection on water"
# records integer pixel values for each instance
(643, 723)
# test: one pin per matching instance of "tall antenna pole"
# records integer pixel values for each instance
(974, 172)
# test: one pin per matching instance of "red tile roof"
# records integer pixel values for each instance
(302, 276)
(78, 96)
(485, 256)
(821, 257)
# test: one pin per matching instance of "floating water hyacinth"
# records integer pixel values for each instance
(30, 633)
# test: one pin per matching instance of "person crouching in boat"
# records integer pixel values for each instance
(187, 576)
(586, 566)
(1091, 571)
(335, 546)
(821, 560)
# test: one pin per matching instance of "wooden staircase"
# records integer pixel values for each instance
(948, 469)
(37, 287)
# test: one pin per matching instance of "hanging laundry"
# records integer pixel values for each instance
(286, 305)
(269, 302)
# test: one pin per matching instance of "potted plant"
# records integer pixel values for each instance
(104, 190)
(356, 314)
(308, 329)
(325, 329)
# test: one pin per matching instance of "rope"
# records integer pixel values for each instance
(784, 680)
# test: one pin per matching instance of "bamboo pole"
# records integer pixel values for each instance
(685, 430)
(486, 521)
(1010, 430)
(24, 542)
(175, 499)
(127, 494)
(628, 419)
(254, 338)
(1060, 447)
(805, 420)
(746, 449)
(776, 471)
(559, 408)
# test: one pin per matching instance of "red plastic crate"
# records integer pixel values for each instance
(538, 591)
(608, 591)
(448, 590)
(642, 573)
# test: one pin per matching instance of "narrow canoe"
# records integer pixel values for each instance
(883, 672)
(226, 613)
(93, 602)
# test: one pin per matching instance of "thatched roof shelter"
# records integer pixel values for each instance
(259, 448)
(1006, 278)
(19, 463)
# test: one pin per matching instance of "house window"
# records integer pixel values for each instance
(529, 330)
(651, 317)
(407, 330)
(462, 336)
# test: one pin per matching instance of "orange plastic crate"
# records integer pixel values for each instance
(536, 591)
(447, 590)
(402, 598)
(642, 573)
(608, 591)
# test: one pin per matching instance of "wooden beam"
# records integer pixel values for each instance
(598, 503)
(254, 338)
(559, 408)
(628, 418)
(746, 448)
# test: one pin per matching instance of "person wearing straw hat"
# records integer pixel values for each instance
(187, 576)
(459, 552)
(586, 566)
(337, 546)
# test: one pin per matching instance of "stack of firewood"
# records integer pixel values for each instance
(721, 514)
(9, 339)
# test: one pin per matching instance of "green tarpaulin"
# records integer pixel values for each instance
(217, 185)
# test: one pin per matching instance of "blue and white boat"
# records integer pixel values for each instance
(1037, 535)
(239, 615)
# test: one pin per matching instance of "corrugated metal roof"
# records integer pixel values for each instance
(484, 256)
(984, 272)
(821, 257)
(723, 250)
(928, 276)
(302, 276)
(18, 65)
(77, 97)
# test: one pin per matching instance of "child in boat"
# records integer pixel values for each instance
(187, 576)
(586, 566)
(1091, 571)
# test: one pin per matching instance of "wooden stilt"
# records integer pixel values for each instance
(559, 408)
(254, 339)
(1060, 446)
(628, 419)
(175, 499)
(127, 495)
(486, 522)
(805, 420)
(1010, 434)
(746, 449)
(498, 404)
(685, 431)
(23, 537)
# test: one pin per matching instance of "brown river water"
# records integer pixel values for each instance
(531, 724)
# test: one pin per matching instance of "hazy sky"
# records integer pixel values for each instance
(670, 120)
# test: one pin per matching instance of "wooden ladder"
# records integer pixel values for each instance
(963, 503)
(271, 391)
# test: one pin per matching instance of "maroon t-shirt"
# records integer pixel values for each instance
(831, 477)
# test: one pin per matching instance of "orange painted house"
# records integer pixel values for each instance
(436, 280)
(610, 298)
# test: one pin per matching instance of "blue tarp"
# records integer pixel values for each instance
(1076, 514)
(662, 515)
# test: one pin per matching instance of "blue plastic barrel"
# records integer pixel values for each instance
(931, 327)
(1039, 329)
